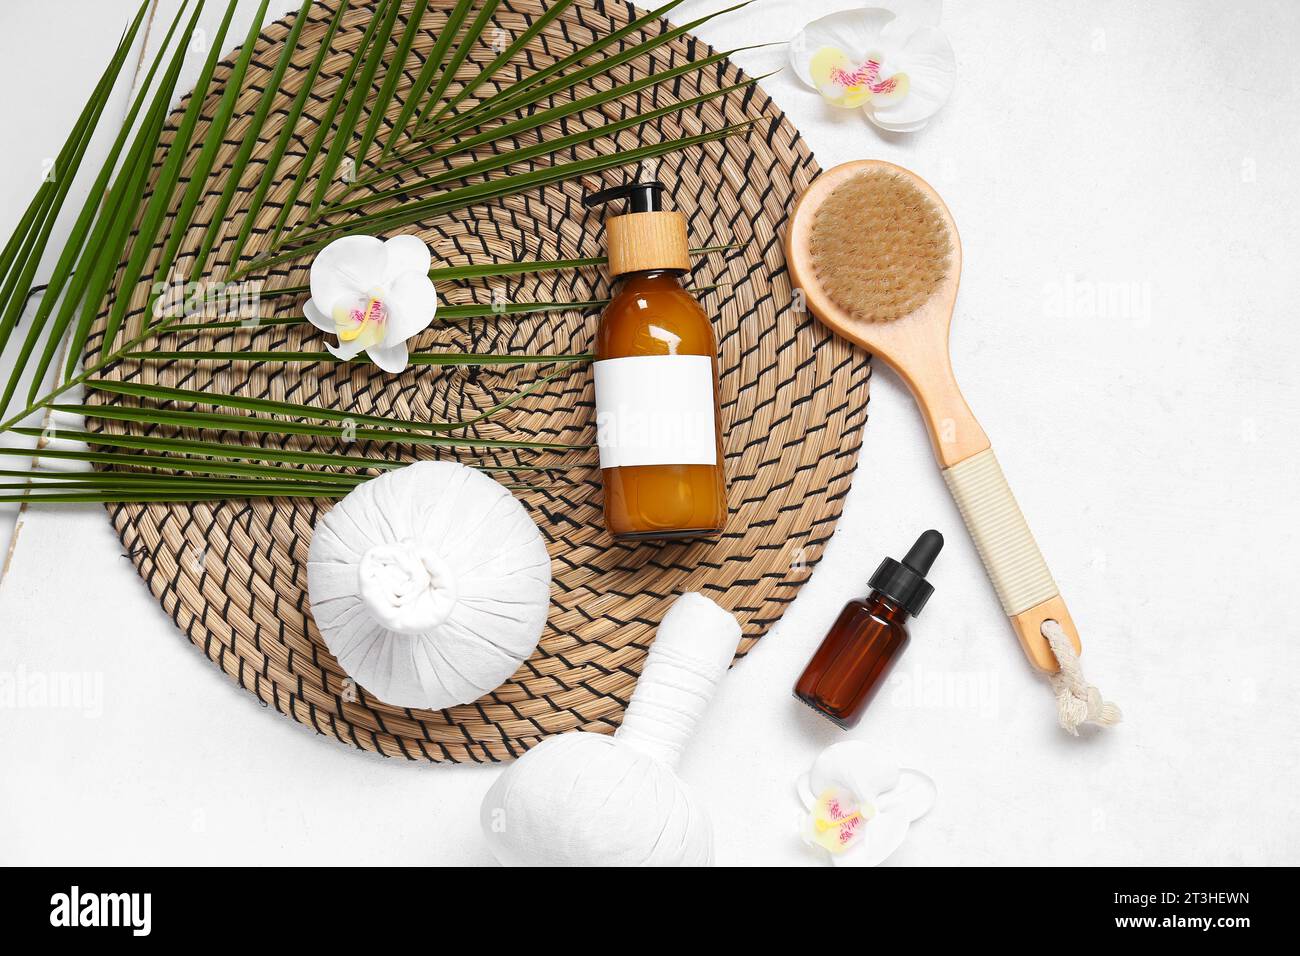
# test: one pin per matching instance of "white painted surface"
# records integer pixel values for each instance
(1088, 147)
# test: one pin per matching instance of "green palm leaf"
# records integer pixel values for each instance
(502, 58)
(164, 393)
(389, 89)
(136, 208)
(139, 479)
(546, 147)
(106, 483)
(99, 263)
(528, 95)
(416, 358)
(494, 270)
(287, 129)
(249, 143)
(73, 249)
(188, 496)
(317, 473)
(323, 127)
(497, 105)
(453, 199)
(21, 256)
(206, 466)
(373, 46)
(446, 313)
(183, 491)
(162, 191)
(216, 133)
(21, 264)
(250, 425)
(200, 466)
(472, 33)
(240, 452)
(446, 36)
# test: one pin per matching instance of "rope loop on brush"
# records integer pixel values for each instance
(1077, 701)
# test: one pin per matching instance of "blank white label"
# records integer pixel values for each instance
(655, 410)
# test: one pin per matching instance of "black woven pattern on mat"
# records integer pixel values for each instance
(232, 574)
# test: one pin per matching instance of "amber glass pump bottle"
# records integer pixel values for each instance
(848, 668)
(658, 424)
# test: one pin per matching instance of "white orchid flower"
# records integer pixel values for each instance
(890, 60)
(860, 804)
(374, 295)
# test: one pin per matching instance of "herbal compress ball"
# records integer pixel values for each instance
(429, 584)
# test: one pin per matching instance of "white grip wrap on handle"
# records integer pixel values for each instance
(1002, 538)
(1025, 587)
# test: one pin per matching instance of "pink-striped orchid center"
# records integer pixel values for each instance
(839, 819)
(361, 322)
(845, 82)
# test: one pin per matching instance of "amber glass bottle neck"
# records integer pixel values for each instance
(671, 277)
(885, 608)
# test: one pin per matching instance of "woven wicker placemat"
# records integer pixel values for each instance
(232, 575)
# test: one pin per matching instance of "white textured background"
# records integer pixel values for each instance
(1089, 148)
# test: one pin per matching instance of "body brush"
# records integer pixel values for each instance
(877, 255)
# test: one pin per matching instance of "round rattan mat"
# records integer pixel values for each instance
(232, 575)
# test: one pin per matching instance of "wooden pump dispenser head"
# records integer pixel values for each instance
(647, 237)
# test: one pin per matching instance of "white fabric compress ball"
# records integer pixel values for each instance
(430, 584)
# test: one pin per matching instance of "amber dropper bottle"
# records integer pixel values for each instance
(658, 425)
(847, 670)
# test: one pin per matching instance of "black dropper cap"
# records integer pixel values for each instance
(641, 197)
(904, 582)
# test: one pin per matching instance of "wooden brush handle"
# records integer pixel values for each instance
(1015, 565)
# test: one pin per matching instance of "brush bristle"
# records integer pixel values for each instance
(879, 247)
